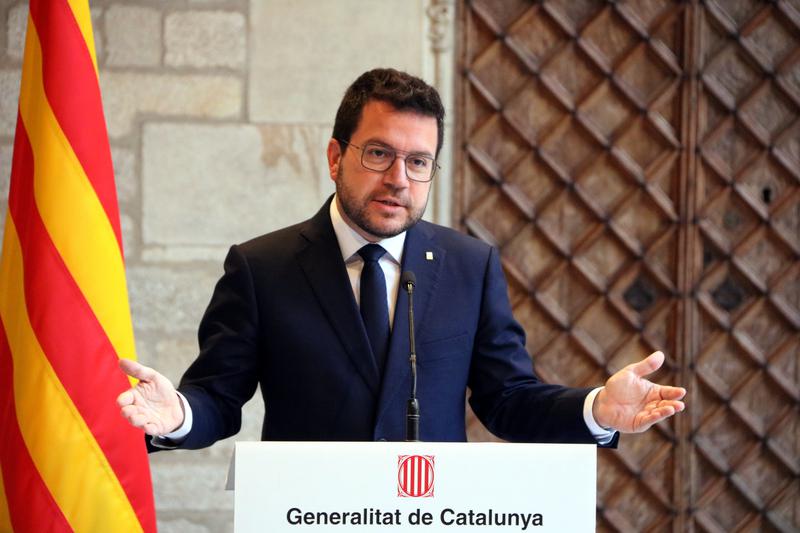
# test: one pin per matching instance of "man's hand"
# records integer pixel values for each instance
(631, 404)
(152, 405)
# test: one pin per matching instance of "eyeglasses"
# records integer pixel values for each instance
(380, 158)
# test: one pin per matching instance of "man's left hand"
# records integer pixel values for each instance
(631, 404)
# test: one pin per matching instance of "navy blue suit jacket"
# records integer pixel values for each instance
(284, 315)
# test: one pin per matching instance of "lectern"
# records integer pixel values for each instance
(413, 486)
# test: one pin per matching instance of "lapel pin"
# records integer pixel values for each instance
(429, 256)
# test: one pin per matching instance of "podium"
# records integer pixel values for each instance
(413, 486)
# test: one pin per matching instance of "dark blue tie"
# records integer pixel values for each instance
(374, 309)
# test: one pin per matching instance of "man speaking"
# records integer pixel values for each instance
(315, 314)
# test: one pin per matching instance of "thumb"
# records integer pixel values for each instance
(137, 370)
(648, 365)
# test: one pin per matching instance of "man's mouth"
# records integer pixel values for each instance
(389, 202)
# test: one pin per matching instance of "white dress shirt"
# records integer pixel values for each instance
(350, 242)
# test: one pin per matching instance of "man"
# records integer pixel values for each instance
(314, 314)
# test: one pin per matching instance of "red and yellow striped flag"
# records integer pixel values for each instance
(69, 461)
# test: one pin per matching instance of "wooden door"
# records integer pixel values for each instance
(638, 165)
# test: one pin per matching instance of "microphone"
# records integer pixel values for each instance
(408, 280)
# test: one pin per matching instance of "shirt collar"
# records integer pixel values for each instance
(350, 242)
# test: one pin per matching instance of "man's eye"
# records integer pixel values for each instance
(418, 162)
(377, 153)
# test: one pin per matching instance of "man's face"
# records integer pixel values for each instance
(382, 204)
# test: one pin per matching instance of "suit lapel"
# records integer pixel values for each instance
(322, 263)
(419, 247)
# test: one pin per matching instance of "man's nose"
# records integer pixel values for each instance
(396, 173)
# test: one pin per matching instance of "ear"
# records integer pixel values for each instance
(334, 158)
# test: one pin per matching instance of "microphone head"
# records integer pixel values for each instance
(407, 278)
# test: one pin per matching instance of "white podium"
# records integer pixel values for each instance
(403, 487)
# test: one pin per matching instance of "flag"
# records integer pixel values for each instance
(69, 460)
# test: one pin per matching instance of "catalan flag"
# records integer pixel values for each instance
(69, 461)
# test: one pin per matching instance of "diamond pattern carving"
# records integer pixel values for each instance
(499, 73)
(772, 40)
(787, 290)
(566, 220)
(533, 112)
(728, 295)
(767, 477)
(641, 220)
(606, 256)
(731, 76)
(645, 74)
(604, 328)
(729, 218)
(610, 35)
(535, 181)
(787, 222)
(769, 110)
(729, 149)
(789, 76)
(669, 33)
(640, 510)
(569, 146)
(640, 295)
(719, 438)
(647, 11)
(606, 109)
(727, 511)
(766, 257)
(531, 255)
(766, 329)
(574, 13)
(638, 163)
(552, 363)
(536, 36)
(760, 402)
(571, 292)
(641, 143)
(573, 73)
(497, 216)
(766, 183)
(500, 143)
(737, 12)
(788, 146)
(724, 366)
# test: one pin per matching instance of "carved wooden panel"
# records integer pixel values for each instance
(744, 345)
(637, 164)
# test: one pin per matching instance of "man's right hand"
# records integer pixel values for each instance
(153, 404)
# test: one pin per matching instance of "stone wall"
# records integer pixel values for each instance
(218, 115)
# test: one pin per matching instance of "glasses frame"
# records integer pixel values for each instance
(395, 153)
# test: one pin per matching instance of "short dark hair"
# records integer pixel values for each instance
(401, 90)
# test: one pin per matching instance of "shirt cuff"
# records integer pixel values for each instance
(174, 438)
(600, 434)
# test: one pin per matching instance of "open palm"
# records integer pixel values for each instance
(631, 404)
(152, 405)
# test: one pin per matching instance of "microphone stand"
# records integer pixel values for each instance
(412, 409)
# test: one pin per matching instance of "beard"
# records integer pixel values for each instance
(358, 211)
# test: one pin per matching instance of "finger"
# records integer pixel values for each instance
(676, 406)
(137, 370)
(672, 393)
(140, 420)
(129, 411)
(134, 420)
(126, 398)
(653, 417)
(648, 365)
(151, 429)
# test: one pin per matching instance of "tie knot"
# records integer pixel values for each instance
(371, 252)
